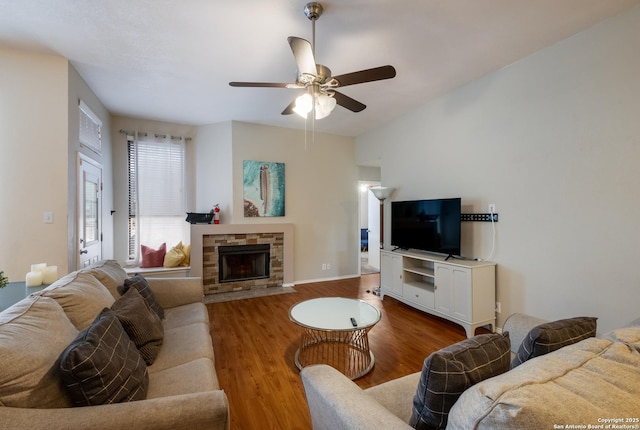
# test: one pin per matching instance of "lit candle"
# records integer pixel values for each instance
(34, 279)
(50, 275)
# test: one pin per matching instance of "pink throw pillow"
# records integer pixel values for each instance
(153, 257)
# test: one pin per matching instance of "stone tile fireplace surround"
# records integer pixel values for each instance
(207, 238)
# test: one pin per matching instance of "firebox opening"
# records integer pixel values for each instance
(243, 262)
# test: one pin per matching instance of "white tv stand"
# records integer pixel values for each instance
(460, 291)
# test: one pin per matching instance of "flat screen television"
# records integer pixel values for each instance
(427, 225)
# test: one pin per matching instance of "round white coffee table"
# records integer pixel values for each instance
(330, 337)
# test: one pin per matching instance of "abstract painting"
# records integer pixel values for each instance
(263, 185)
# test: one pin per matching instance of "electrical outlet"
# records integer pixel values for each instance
(492, 208)
(47, 218)
(328, 266)
(498, 307)
(324, 266)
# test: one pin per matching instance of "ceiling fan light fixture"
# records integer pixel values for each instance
(303, 106)
(324, 105)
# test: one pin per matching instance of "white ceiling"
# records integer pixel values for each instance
(172, 60)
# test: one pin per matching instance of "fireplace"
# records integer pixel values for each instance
(243, 262)
(210, 239)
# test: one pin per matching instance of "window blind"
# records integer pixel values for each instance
(160, 177)
(90, 128)
(133, 197)
(157, 204)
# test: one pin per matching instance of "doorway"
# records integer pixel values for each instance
(369, 229)
(89, 219)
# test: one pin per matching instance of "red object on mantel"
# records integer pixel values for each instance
(216, 214)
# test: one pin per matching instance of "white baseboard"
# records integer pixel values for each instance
(336, 278)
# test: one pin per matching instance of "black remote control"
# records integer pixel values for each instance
(353, 322)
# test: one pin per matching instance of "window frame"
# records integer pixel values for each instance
(137, 148)
(89, 128)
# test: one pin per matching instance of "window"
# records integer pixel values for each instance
(90, 128)
(156, 194)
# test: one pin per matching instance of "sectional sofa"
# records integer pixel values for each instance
(589, 383)
(74, 355)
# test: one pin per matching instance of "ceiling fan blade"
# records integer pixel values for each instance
(303, 53)
(289, 109)
(369, 75)
(260, 84)
(347, 102)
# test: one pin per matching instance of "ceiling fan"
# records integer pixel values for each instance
(320, 87)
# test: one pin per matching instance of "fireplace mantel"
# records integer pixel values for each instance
(200, 230)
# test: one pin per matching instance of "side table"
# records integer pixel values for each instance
(13, 292)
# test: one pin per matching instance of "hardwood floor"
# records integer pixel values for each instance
(255, 344)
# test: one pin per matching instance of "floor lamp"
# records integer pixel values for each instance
(381, 193)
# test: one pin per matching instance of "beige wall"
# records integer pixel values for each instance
(215, 170)
(120, 169)
(321, 191)
(554, 141)
(321, 180)
(321, 186)
(33, 161)
(38, 151)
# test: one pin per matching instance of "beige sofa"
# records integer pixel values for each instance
(183, 390)
(591, 382)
